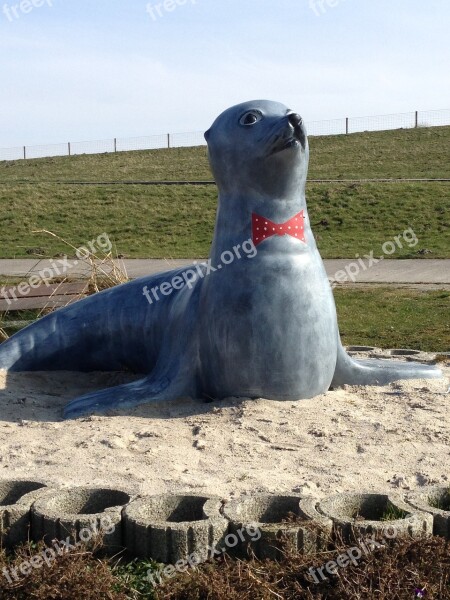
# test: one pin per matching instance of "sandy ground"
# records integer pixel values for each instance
(379, 438)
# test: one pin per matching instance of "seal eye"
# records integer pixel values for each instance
(250, 118)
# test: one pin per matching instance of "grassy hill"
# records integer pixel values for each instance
(177, 221)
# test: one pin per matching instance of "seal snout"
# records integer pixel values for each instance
(299, 131)
(291, 133)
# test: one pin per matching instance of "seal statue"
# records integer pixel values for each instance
(260, 324)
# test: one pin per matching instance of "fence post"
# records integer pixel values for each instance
(168, 140)
(68, 147)
(346, 126)
(24, 153)
(115, 144)
(417, 119)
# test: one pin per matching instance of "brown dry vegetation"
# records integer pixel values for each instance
(75, 576)
(394, 572)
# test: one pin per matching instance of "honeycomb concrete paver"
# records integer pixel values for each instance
(81, 513)
(385, 515)
(169, 529)
(16, 499)
(278, 519)
(436, 501)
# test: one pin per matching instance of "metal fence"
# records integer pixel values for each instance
(346, 125)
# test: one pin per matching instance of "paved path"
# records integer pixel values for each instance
(400, 272)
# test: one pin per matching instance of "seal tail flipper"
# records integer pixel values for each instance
(378, 371)
(72, 338)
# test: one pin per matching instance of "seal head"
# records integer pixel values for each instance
(259, 147)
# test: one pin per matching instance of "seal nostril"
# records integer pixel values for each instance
(296, 122)
(295, 119)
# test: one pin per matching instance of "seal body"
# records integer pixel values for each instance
(265, 340)
(260, 325)
(269, 327)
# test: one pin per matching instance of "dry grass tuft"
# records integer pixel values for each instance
(392, 573)
(101, 269)
(74, 576)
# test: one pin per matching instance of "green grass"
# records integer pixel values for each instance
(393, 513)
(401, 153)
(394, 318)
(162, 221)
(178, 221)
(442, 503)
(384, 317)
(176, 164)
(134, 577)
(356, 218)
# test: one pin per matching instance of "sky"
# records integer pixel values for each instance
(75, 70)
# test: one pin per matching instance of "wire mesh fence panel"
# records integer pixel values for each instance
(92, 147)
(433, 118)
(11, 153)
(331, 127)
(149, 142)
(46, 150)
(382, 122)
(187, 140)
(430, 118)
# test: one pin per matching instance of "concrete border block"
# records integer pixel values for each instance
(309, 510)
(442, 355)
(170, 528)
(279, 519)
(404, 352)
(76, 511)
(436, 501)
(385, 515)
(16, 499)
(359, 349)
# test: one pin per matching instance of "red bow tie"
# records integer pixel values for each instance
(263, 228)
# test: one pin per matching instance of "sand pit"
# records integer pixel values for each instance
(374, 439)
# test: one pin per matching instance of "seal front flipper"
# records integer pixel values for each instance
(378, 371)
(143, 391)
(175, 374)
(174, 379)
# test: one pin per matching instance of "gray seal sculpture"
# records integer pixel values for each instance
(265, 327)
